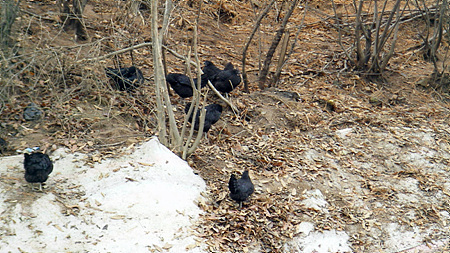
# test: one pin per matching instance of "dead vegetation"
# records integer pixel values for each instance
(289, 137)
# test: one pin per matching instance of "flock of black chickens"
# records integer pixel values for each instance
(224, 80)
(38, 166)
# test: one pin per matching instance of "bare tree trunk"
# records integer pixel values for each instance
(281, 59)
(273, 47)
(244, 53)
(73, 18)
(381, 40)
(159, 76)
(80, 29)
(439, 32)
(164, 105)
(8, 14)
(287, 55)
(167, 12)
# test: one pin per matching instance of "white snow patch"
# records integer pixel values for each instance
(407, 239)
(343, 133)
(315, 200)
(409, 185)
(138, 202)
(318, 242)
(305, 227)
(399, 238)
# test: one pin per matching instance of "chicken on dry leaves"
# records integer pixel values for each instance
(181, 84)
(240, 189)
(210, 70)
(3, 146)
(125, 79)
(227, 80)
(213, 113)
(37, 168)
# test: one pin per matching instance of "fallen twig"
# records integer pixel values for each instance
(233, 107)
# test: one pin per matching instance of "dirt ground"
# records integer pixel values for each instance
(378, 150)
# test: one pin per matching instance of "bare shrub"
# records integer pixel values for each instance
(8, 13)
(375, 28)
(436, 19)
(281, 35)
(73, 17)
(437, 24)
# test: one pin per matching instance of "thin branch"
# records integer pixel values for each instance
(124, 50)
(281, 59)
(340, 34)
(244, 52)
(158, 76)
(294, 43)
(39, 16)
(167, 11)
(358, 27)
(233, 107)
(391, 51)
(179, 56)
(438, 36)
(274, 45)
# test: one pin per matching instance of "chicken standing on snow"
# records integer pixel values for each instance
(227, 80)
(181, 84)
(125, 79)
(37, 168)
(213, 113)
(240, 189)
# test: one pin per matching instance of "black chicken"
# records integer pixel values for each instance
(227, 80)
(229, 66)
(210, 70)
(125, 79)
(37, 168)
(3, 146)
(213, 113)
(240, 189)
(181, 84)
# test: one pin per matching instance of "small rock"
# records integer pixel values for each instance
(32, 112)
